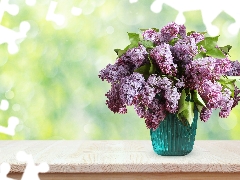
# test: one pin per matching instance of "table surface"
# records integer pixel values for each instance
(121, 156)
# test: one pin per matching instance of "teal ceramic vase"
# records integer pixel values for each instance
(172, 138)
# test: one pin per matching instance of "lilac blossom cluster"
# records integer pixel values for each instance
(152, 78)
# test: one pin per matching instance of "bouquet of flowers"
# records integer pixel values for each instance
(171, 71)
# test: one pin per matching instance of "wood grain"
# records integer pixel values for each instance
(128, 159)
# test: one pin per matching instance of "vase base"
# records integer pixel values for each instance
(164, 153)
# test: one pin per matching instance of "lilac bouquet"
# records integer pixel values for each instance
(171, 71)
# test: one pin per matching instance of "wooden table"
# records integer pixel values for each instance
(129, 159)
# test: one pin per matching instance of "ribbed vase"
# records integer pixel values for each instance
(172, 138)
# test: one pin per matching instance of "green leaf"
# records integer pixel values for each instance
(116, 50)
(189, 33)
(152, 68)
(133, 38)
(181, 101)
(144, 70)
(198, 99)
(120, 52)
(173, 41)
(227, 80)
(155, 29)
(199, 108)
(200, 55)
(216, 53)
(185, 109)
(226, 49)
(228, 83)
(187, 114)
(230, 86)
(208, 43)
(147, 43)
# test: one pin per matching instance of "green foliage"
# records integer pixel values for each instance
(147, 44)
(210, 44)
(155, 29)
(134, 39)
(190, 32)
(144, 70)
(186, 104)
(228, 83)
(186, 109)
(226, 49)
(198, 100)
(173, 41)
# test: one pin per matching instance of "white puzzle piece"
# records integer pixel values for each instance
(7, 35)
(51, 16)
(12, 123)
(76, 11)
(31, 170)
(4, 170)
(208, 12)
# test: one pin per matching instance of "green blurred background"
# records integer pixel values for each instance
(52, 84)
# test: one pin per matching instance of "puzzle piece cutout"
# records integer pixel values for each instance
(76, 11)
(4, 105)
(12, 9)
(51, 16)
(4, 170)
(208, 13)
(7, 35)
(12, 123)
(133, 1)
(30, 2)
(31, 170)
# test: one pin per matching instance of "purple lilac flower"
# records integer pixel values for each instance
(199, 70)
(136, 56)
(180, 83)
(163, 58)
(222, 66)
(140, 109)
(114, 73)
(184, 50)
(169, 32)
(146, 95)
(236, 98)
(151, 35)
(159, 83)
(197, 36)
(226, 103)
(235, 69)
(169, 92)
(182, 31)
(130, 87)
(211, 92)
(155, 114)
(114, 101)
(205, 114)
(172, 96)
(216, 98)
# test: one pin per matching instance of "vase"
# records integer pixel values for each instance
(172, 137)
